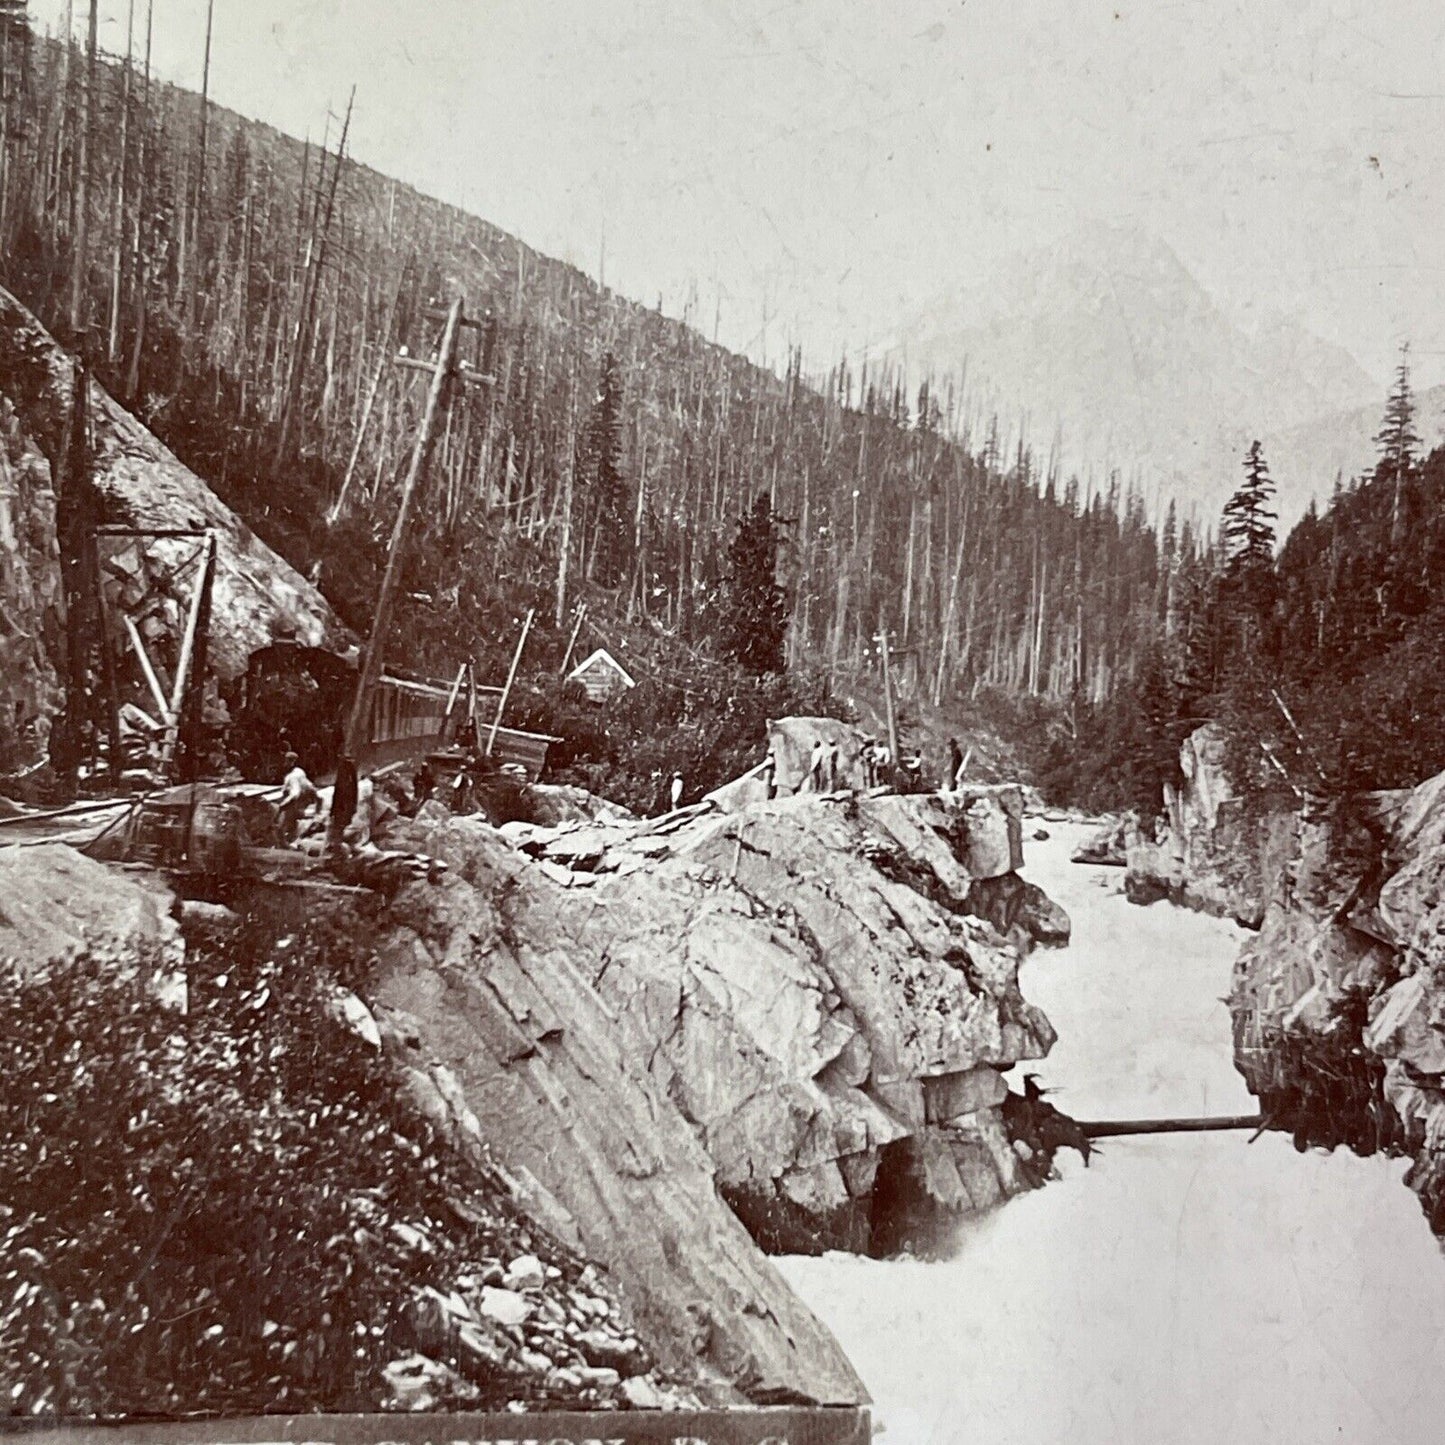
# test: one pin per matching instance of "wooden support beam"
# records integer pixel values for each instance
(107, 662)
(188, 647)
(452, 699)
(163, 533)
(572, 641)
(147, 670)
(888, 688)
(511, 677)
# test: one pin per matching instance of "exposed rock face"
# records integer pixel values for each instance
(1109, 846)
(1209, 854)
(792, 739)
(142, 484)
(488, 992)
(56, 903)
(30, 587)
(553, 803)
(788, 1010)
(818, 996)
(1339, 1004)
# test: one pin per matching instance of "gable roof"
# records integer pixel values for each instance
(607, 660)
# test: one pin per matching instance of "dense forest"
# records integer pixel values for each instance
(246, 292)
(1323, 657)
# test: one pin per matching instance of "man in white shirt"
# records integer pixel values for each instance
(298, 793)
(815, 766)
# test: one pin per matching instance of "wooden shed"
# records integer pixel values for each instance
(602, 676)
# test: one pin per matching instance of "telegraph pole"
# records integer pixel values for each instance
(442, 375)
(882, 640)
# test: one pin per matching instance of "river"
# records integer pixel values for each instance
(1184, 1288)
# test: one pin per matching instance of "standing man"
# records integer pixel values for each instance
(883, 762)
(298, 792)
(815, 766)
(769, 775)
(344, 795)
(833, 777)
(955, 762)
(867, 760)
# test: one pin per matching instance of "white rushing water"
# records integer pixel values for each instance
(1184, 1288)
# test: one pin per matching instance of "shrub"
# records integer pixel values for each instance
(197, 1209)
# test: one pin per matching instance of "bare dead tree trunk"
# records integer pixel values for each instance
(138, 253)
(310, 290)
(77, 309)
(112, 344)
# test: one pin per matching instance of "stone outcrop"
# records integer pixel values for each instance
(56, 903)
(141, 484)
(1208, 852)
(819, 994)
(487, 988)
(1339, 1003)
(677, 1038)
(31, 605)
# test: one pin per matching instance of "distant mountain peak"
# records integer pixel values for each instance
(1106, 338)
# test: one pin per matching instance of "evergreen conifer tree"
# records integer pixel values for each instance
(1247, 527)
(1397, 438)
(754, 607)
(1246, 535)
(1397, 441)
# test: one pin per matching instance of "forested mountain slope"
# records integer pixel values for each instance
(244, 292)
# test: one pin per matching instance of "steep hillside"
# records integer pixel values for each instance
(243, 294)
(132, 480)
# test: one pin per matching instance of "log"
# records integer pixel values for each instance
(1112, 1128)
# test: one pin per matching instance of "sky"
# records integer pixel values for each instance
(818, 171)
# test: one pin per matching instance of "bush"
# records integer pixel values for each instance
(196, 1208)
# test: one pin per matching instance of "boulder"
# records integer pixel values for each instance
(504, 1306)
(1107, 847)
(992, 849)
(952, 1096)
(56, 903)
(792, 739)
(1410, 1025)
(1020, 911)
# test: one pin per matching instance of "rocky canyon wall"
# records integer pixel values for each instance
(141, 484)
(809, 983)
(1339, 1003)
(1207, 852)
(31, 602)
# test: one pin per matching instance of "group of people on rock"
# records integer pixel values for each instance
(830, 771)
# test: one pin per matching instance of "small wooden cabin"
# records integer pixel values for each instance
(602, 676)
